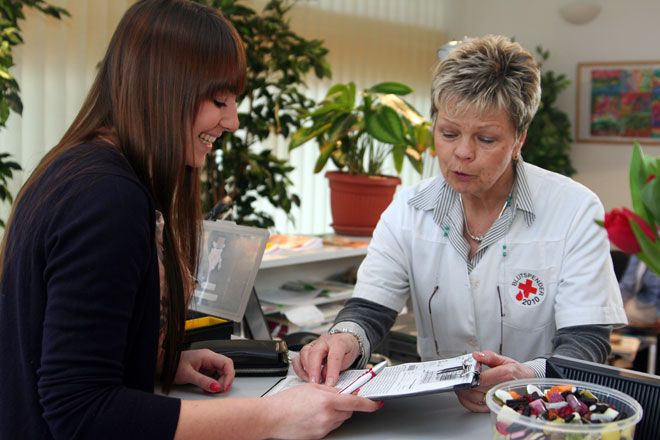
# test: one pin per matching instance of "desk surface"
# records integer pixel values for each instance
(437, 416)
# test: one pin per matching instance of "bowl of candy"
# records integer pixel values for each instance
(559, 409)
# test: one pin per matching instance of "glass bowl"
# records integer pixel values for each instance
(512, 425)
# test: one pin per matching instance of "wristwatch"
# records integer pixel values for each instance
(354, 334)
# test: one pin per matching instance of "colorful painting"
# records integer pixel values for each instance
(619, 102)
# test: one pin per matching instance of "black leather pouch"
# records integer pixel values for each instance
(251, 357)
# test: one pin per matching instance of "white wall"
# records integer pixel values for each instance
(623, 31)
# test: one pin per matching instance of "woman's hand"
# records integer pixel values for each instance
(335, 352)
(312, 410)
(208, 370)
(501, 369)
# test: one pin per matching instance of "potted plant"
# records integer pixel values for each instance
(241, 172)
(358, 136)
(549, 135)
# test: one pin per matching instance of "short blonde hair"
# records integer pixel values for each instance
(485, 74)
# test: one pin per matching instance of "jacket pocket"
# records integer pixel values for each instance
(528, 298)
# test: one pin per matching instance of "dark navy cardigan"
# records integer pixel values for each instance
(79, 307)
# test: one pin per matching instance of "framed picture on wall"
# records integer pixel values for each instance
(618, 102)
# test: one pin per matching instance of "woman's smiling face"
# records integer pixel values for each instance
(475, 152)
(214, 117)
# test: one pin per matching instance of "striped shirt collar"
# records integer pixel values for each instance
(439, 196)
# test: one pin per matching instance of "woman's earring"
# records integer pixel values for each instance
(516, 156)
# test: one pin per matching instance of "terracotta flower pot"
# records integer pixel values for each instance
(357, 201)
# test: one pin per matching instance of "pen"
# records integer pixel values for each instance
(364, 378)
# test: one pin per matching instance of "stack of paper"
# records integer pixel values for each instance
(299, 301)
(281, 243)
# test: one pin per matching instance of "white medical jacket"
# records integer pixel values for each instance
(552, 273)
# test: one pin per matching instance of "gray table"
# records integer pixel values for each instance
(437, 416)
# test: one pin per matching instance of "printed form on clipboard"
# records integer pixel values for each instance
(411, 379)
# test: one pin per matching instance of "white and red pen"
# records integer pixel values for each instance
(364, 378)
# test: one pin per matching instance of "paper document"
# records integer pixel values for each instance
(297, 293)
(305, 316)
(412, 379)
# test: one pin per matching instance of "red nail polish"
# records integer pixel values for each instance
(215, 387)
(381, 404)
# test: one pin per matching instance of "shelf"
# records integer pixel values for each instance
(270, 308)
(310, 256)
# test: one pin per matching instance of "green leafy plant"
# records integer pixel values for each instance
(549, 135)
(7, 168)
(359, 136)
(11, 11)
(240, 172)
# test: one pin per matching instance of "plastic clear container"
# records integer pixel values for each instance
(519, 427)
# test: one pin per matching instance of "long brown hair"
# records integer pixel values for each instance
(164, 60)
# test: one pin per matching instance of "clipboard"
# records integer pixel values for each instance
(405, 380)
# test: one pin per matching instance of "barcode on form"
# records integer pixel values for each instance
(435, 376)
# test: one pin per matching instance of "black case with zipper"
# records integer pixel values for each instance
(251, 357)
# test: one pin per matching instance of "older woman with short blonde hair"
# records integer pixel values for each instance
(498, 257)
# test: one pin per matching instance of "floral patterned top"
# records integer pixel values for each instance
(164, 291)
(164, 296)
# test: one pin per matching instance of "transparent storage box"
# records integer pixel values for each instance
(230, 256)
(511, 425)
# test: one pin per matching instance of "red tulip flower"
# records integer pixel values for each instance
(619, 231)
(636, 232)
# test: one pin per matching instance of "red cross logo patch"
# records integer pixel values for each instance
(528, 289)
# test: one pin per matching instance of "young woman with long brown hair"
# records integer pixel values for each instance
(97, 257)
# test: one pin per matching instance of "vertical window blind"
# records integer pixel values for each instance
(370, 41)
